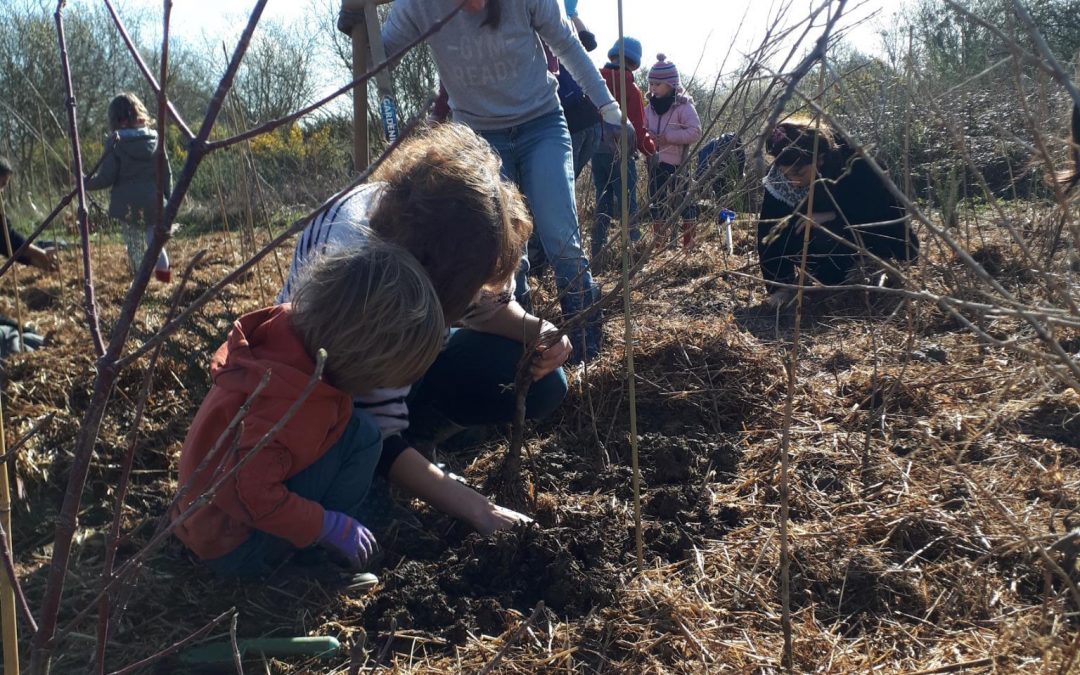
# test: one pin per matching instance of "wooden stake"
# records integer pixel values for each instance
(360, 50)
(7, 586)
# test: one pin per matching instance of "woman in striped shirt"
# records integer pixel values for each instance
(441, 197)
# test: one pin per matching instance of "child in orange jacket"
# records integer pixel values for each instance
(607, 177)
(375, 313)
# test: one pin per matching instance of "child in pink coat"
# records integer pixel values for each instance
(671, 120)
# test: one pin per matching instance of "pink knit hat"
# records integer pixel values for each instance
(665, 71)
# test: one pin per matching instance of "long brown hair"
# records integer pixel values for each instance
(792, 143)
(446, 202)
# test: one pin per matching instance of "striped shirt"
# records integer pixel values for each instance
(344, 223)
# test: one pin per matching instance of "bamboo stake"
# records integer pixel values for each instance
(628, 324)
(7, 584)
(785, 440)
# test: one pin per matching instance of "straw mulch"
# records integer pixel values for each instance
(926, 470)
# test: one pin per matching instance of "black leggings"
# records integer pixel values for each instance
(668, 189)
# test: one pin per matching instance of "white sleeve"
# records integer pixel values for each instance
(342, 222)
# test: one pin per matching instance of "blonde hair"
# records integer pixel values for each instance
(126, 110)
(375, 313)
(446, 202)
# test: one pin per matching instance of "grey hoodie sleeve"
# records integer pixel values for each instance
(105, 176)
(556, 33)
(399, 29)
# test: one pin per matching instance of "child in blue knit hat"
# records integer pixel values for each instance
(606, 173)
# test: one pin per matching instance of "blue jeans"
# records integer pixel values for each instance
(584, 142)
(470, 384)
(339, 480)
(608, 182)
(538, 157)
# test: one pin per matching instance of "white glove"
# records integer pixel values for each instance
(611, 113)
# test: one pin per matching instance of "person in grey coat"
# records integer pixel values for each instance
(129, 168)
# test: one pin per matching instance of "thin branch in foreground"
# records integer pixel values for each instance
(295, 228)
(44, 224)
(9, 569)
(90, 304)
(145, 70)
(169, 651)
(15, 447)
(113, 541)
(133, 563)
(372, 72)
(107, 373)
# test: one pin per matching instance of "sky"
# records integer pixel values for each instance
(695, 34)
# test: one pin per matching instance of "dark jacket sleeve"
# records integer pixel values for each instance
(865, 202)
(16, 239)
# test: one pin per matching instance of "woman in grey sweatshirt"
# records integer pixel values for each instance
(128, 167)
(493, 66)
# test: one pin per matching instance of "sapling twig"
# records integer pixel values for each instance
(207, 495)
(8, 561)
(514, 488)
(296, 227)
(145, 70)
(32, 237)
(90, 304)
(174, 648)
(108, 372)
(341, 91)
(628, 312)
(15, 447)
(113, 541)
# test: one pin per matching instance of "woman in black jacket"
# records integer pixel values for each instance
(853, 210)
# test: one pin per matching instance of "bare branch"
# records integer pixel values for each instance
(145, 70)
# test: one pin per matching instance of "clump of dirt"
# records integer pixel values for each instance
(476, 583)
(1002, 263)
(676, 459)
(39, 299)
(895, 395)
(838, 362)
(846, 585)
(821, 473)
(1055, 417)
(572, 560)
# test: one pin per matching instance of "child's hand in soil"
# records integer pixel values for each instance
(499, 518)
(348, 537)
